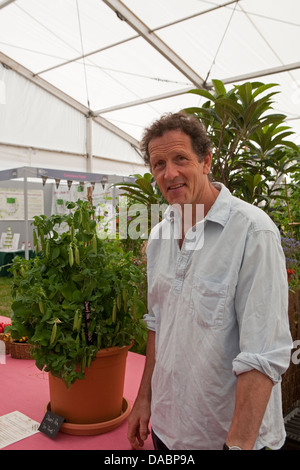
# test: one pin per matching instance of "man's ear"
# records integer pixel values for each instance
(207, 163)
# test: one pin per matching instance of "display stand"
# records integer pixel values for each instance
(58, 176)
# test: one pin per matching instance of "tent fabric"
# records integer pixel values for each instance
(127, 62)
(38, 129)
(32, 117)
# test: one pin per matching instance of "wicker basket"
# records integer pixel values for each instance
(6, 338)
(20, 350)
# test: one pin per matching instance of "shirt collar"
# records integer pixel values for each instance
(219, 212)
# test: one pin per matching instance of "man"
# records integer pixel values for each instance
(218, 338)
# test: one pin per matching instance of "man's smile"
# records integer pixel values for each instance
(176, 186)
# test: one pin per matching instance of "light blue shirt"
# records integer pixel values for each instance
(219, 307)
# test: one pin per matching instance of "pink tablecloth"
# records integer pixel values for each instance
(24, 388)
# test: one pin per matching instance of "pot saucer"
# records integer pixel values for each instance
(95, 428)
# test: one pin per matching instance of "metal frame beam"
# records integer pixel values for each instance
(150, 99)
(196, 15)
(238, 78)
(145, 32)
(89, 147)
(4, 3)
(263, 73)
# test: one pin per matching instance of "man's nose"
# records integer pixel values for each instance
(171, 171)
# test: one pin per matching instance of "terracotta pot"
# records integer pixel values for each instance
(98, 398)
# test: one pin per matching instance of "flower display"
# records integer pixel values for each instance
(291, 248)
(3, 326)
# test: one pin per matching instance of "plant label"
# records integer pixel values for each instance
(51, 424)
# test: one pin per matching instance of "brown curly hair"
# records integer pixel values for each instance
(186, 123)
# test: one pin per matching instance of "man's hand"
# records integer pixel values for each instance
(138, 424)
(138, 420)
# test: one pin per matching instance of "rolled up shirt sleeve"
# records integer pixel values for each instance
(261, 305)
(150, 321)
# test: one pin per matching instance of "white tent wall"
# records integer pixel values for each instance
(113, 154)
(12, 156)
(32, 117)
(39, 129)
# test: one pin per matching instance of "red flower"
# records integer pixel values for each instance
(290, 273)
(2, 326)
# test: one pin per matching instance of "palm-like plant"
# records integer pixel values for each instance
(250, 146)
(145, 191)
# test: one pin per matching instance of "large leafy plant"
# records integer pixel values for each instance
(250, 141)
(78, 295)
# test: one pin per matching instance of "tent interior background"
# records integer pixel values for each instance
(80, 79)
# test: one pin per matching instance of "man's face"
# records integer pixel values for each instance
(180, 176)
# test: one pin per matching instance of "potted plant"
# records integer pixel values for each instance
(77, 302)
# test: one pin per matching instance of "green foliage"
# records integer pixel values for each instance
(250, 146)
(145, 191)
(51, 290)
(286, 210)
(5, 296)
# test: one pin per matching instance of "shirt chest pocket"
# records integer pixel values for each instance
(207, 302)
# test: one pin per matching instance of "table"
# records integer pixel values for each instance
(7, 256)
(25, 388)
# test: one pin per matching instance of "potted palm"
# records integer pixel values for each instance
(77, 303)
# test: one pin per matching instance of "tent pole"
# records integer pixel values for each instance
(4, 3)
(26, 216)
(89, 151)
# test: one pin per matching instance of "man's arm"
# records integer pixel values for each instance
(252, 396)
(139, 417)
(261, 305)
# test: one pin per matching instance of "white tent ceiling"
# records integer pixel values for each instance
(125, 63)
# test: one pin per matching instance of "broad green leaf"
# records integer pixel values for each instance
(148, 177)
(204, 93)
(77, 296)
(231, 104)
(245, 92)
(262, 87)
(67, 290)
(256, 180)
(145, 186)
(55, 252)
(194, 110)
(219, 87)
